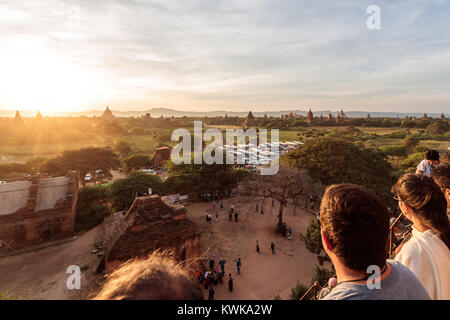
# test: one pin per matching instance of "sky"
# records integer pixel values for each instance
(203, 55)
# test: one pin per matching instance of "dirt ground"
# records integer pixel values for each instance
(263, 275)
(41, 274)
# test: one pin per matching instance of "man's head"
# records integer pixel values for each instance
(432, 156)
(156, 278)
(441, 176)
(355, 227)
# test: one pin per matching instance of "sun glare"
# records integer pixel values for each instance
(42, 80)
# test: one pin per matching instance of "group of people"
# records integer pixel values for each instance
(214, 276)
(355, 226)
(232, 213)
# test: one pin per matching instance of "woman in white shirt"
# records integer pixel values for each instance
(427, 253)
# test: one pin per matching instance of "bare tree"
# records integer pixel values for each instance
(286, 185)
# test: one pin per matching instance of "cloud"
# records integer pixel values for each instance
(265, 53)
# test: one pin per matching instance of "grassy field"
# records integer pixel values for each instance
(149, 143)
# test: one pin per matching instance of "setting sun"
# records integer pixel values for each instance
(41, 80)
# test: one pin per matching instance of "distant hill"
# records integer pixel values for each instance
(167, 112)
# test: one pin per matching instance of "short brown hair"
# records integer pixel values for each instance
(441, 176)
(158, 277)
(357, 224)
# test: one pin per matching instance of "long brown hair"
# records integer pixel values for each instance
(427, 201)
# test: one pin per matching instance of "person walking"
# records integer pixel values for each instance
(222, 264)
(230, 282)
(217, 216)
(238, 266)
(236, 217)
(211, 293)
(232, 208)
(289, 233)
(221, 204)
(257, 246)
(272, 246)
(262, 209)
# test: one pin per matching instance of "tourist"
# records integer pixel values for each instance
(289, 233)
(222, 264)
(272, 246)
(238, 266)
(206, 279)
(425, 167)
(230, 216)
(236, 216)
(441, 176)
(427, 253)
(211, 293)
(232, 207)
(257, 246)
(230, 282)
(214, 204)
(211, 264)
(221, 204)
(217, 216)
(147, 279)
(354, 226)
(207, 216)
(262, 209)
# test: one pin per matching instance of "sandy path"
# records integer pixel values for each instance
(41, 274)
(263, 275)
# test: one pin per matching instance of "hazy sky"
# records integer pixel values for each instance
(230, 54)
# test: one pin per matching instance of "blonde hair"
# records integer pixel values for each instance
(157, 277)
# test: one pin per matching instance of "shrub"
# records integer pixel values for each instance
(298, 291)
(89, 217)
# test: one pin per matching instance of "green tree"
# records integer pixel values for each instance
(409, 165)
(411, 143)
(394, 151)
(202, 178)
(91, 216)
(86, 160)
(298, 291)
(136, 161)
(124, 191)
(438, 127)
(313, 241)
(123, 148)
(334, 160)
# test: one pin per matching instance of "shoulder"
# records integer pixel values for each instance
(404, 272)
(422, 164)
(343, 292)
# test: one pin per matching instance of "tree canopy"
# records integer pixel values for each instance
(136, 161)
(124, 190)
(202, 178)
(86, 160)
(335, 160)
